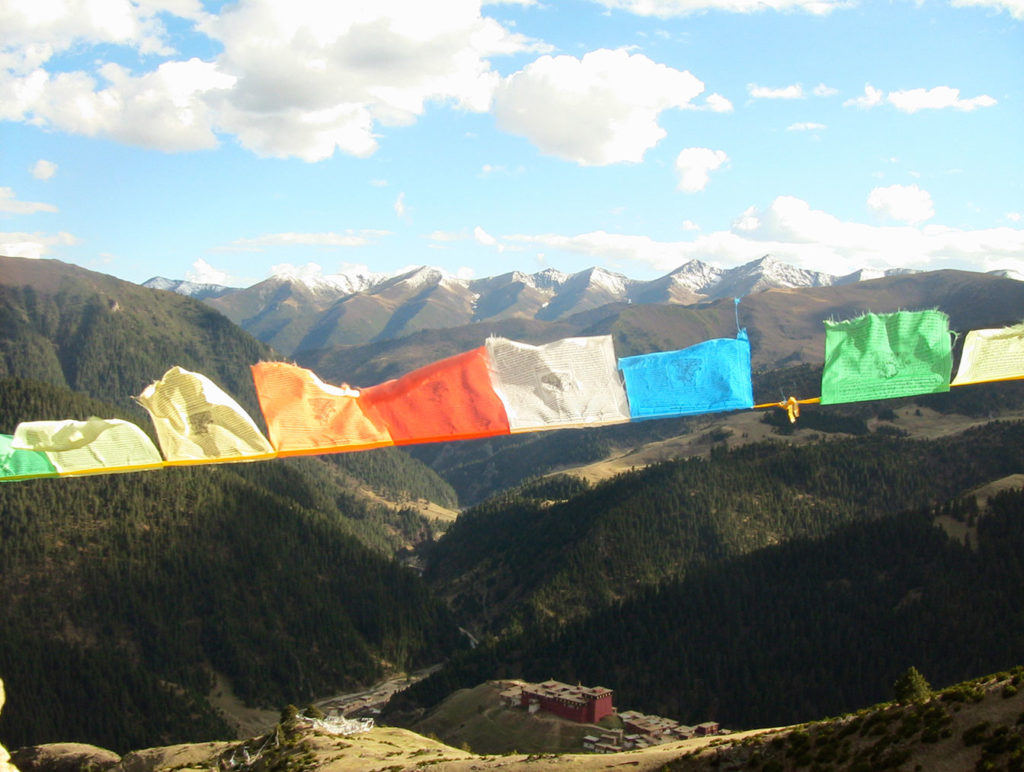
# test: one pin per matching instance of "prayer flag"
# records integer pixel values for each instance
(17, 464)
(448, 400)
(197, 422)
(709, 377)
(93, 446)
(568, 383)
(992, 355)
(885, 356)
(305, 415)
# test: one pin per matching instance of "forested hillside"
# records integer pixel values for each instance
(795, 631)
(109, 338)
(125, 593)
(522, 558)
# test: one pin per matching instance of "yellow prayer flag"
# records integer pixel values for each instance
(197, 422)
(94, 446)
(992, 355)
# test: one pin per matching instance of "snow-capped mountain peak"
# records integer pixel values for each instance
(311, 277)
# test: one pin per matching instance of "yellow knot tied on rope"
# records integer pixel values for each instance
(792, 408)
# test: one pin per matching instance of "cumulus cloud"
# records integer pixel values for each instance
(822, 90)
(9, 204)
(204, 273)
(33, 245)
(795, 91)
(668, 8)
(905, 203)
(43, 169)
(791, 230)
(717, 103)
(164, 109)
(293, 79)
(694, 166)
(400, 204)
(806, 127)
(614, 98)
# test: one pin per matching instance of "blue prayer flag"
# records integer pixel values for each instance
(709, 377)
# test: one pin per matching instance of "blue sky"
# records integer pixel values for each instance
(227, 141)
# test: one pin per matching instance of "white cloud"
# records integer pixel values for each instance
(694, 166)
(690, 225)
(204, 273)
(871, 97)
(9, 204)
(35, 30)
(486, 239)
(465, 272)
(795, 233)
(33, 245)
(806, 127)
(936, 98)
(1014, 216)
(795, 91)
(668, 8)
(822, 90)
(349, 238)
(915, 99)
(717, 103)
(316, 78)
(905, 203)
(614, 99)
(400, 204)
(293, 79)
(164, 109)
(43, 169)
(1013, 7)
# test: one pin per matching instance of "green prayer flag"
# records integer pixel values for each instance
(884, 356)
(17, 464)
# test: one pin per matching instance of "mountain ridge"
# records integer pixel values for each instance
(293, 311)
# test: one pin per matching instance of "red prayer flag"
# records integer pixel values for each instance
(448, 400)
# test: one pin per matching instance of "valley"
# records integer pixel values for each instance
(734, 567)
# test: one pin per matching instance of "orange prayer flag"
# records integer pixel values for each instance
(448, 400)
(305, 416)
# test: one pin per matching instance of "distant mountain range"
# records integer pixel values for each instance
(293, 313)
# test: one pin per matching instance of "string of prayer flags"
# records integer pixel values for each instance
(709, 377)
(448, 400)
(197, 422)
(884, 356)
(992, 355)
(93, 446)
(500, 388)
(18, 464)
(304, 415)
(571, 382)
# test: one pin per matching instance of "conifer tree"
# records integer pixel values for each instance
(911, 687)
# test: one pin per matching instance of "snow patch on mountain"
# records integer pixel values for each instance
(188, 288)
